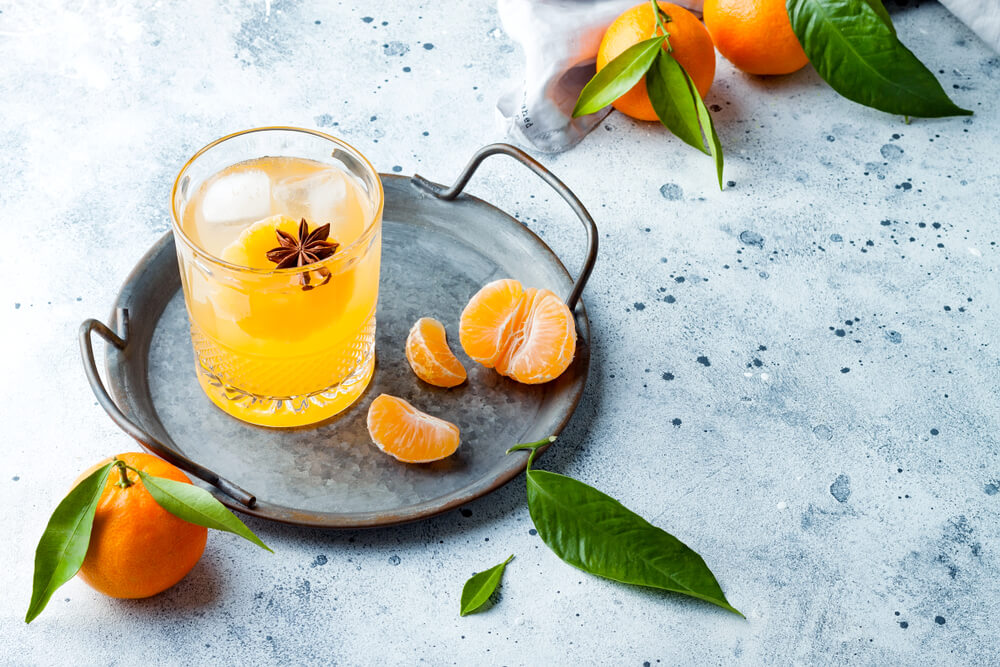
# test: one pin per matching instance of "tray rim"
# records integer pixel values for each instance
(396, 516)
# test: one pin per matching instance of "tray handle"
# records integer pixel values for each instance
(124, 423)
(589, 227)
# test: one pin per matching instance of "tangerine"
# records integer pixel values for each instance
(137, 548)
(755, 35)
(407, 434)
(690, 45)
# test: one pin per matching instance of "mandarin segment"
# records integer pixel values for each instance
(251, 246)
(267, 307)
(528, 335)
(430, 357)
(487, 319)
(407, 434)
(548, 342)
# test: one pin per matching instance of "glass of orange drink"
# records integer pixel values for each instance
(278, 233)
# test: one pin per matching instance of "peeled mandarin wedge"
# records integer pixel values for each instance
(526, 334)
(251, 246)
(485, 323)
(407, 434)
(430, 357)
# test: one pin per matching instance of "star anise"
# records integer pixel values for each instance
(308, 248)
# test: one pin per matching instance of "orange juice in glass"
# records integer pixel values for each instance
(278, 235)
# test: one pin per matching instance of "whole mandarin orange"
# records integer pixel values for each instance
(755, 35)
(690, 45)
(137, 548)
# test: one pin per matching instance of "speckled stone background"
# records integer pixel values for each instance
(797, 376)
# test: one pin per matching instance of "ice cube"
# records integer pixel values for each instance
(328, 195)
(318, 197)
(237, 197)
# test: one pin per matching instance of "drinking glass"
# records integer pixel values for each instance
(291, 346)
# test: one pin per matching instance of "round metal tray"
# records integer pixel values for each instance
(439, 248)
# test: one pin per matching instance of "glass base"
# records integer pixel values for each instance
(287, 411)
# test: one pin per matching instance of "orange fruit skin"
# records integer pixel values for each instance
(430, 357)
(689, 40)
(407, 434)
(137, 548)
(528, 335)
(755, 35)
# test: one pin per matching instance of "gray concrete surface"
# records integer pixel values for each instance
(797, 376)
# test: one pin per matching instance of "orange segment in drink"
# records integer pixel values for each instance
(430, 357)
(407, 434)
(526, 334)
(250, 247)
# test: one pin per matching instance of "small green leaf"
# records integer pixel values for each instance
(617, 77)
(63, 545)
(195, 505)
(480, 587)
(668, 89)
(597, 534)
(855, 49)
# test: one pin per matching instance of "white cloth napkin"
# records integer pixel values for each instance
(560, 40)
(983, 16)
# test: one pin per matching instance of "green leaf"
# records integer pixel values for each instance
(680, 108)
(195, 505)
(714, 145)
(480, 587)
(594, 532)
(857, 52)
(63, 545)
(880, 9)
(617, 77)
(667, 86)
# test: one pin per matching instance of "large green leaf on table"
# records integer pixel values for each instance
(617, 77)
(680, 108)
(596, 533)
(480, 587)
(855, 49)
(63, 545)
(195, 505)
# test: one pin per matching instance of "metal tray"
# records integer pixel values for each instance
(439, 248)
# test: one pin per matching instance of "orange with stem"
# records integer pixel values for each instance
(689, 44)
